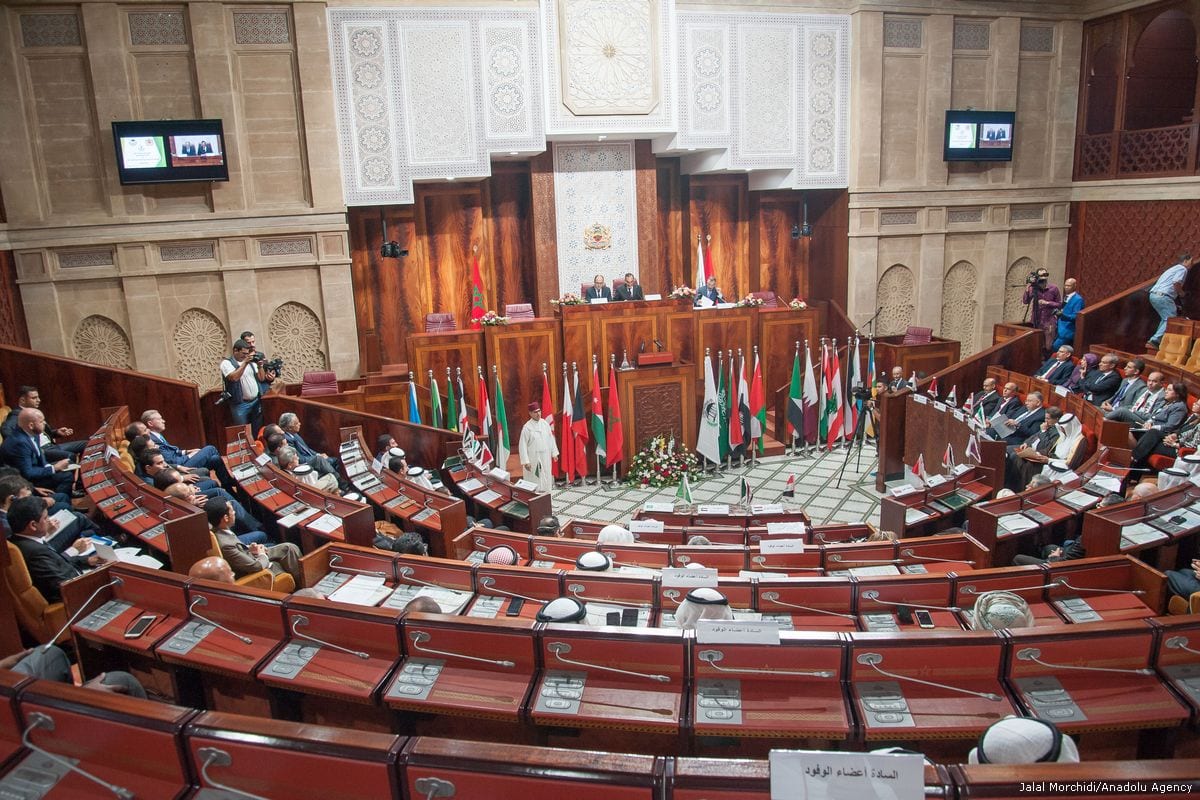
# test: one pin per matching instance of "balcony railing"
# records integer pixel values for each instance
(1152, 152)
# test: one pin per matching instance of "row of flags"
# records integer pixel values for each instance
(606, 433)
(821, 405)
(733, 418)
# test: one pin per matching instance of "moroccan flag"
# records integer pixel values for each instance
(579, 429)
(566, 450)
(414, 410)
(795, 406)
(503, 445)
(435, 402)
(615, 444)
(477, 311)
(709, 270)
(723, 409)
(597, 413)
(737, 438)
(548, 415)
(810, 398)
(758, 405)
(484, 410)
(451, 404)
(462, 403)
(790, 489)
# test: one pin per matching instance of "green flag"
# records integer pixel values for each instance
(684, 492)
(723, 412)
(451, 407)
(502, 442)
(435, 401)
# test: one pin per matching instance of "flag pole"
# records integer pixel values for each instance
(565, 431)
(707, 356)
(612, 365)
(738, 403)
(596, 372)
(761, 433)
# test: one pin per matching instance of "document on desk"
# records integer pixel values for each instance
(131, 555)
(294, 519)
(1016, 523)
(361, 590)
(487, 496)
(1141, 533)
(326, 523)
(471, 485)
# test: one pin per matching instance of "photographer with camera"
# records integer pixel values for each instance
(1046, 298)
(246, 377)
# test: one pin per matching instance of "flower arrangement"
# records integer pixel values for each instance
(568, 299)
(750, 301)
(797, 305)
(661, 464)
(683, 291)
(492, 318)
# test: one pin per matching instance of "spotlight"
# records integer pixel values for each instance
(389, 249)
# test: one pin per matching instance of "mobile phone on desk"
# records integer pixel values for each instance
(514, 607)
(140, 626)
(923, 618)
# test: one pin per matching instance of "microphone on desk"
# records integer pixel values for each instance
(908, 553)
(873, 595)
(711, 657)
(1180, 643)
(773, 597)
(540, 550)
(201, 600)
(1064, 582)
(336, 559)
(419, 637)
(489, 583)
(1035, 655)
(75, 617)
(577, 589)
(165, 514)
(837, 558)
(873, 660)
(558, 648)
(659, 344)
(642, 346)
(407, 574)
(761, 560)
(37, 719)
(301, 621)
(215, 757)
(973, 590)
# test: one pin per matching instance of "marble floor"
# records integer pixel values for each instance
(816, 489)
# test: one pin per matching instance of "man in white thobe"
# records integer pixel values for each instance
(537, 448)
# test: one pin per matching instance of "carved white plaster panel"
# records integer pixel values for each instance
(825, 72)
(767, 76)
(1014, 283)
(704, 64)
(609, 65)
(295, 332)
(429, 93)
(100, 340)
(897, 300)
(959, 305)
(439, 103)
(594, 184)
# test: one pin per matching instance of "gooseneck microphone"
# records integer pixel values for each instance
(75, 617)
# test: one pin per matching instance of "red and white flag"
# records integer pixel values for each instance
(973, 449)
(932, 391)
(948, 457)
(919, 468)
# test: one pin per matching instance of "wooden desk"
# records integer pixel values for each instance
(616, 328)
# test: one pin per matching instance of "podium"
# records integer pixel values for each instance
(657, 401)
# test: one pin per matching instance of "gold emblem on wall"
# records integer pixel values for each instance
(597, 237)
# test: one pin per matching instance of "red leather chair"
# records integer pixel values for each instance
(917, 335)
(316, 384)
(769, 299)
(515, 311)
(439, 323)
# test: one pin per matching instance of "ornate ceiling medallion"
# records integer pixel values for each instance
(609, 56)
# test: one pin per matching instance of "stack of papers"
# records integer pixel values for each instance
(1015, 523)
(361, 590)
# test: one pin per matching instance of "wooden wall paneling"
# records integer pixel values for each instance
(778, 331)
(615, 327)
(519, 350)
(828, 249)
(623, 336)
(780, 263)
(388, 300)
(650, 266)
(512, 266)
(545, 235)
(723, 329)
(13, 329)
(718, 207)
(437, 351)
(579, 340)
(449, 224)
(681, 334)
(670, 226)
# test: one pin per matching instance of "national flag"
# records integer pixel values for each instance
(451, 404)
(709, 270)
(973, 451)
(484, 409)
(823, 400)
(723, 410)
(598, 435)
(700, 277)
(919, 468)
(435, 402)
(912, 381)
(758, 406)
(503, 444)
(871, 366)
(566, 449)
(414, 411)
(462, 403)
(684, 492)
(708, 439)
(477, 310)
(743, 408)
(790, 489)
(795, 406)
(952, 398)
(852, 406)
(834, 402)
(579, 429)
(968, 406)
(948, 457)
(747, 496)
(811, 397)
(475, 450)
(615, 444)
(932, 391)
(737, 438)
(548, 415)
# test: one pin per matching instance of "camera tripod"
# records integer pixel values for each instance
(856, 438)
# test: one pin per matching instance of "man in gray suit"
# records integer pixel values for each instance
(1146, 404)
(1131, 388)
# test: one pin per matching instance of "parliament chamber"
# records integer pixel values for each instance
(668, 232)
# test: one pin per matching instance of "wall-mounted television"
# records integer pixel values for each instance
(170, 151)
(979, 135)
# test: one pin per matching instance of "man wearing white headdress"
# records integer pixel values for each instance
(702, 604)
(1023, 740)
(614, 534)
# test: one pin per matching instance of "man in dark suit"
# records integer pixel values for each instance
(986, 398)
(629, 290)
(1131, 389)
(1027, 459)
(1010, 402)
(205, 457)
(1025, 424)
(205, 148)
(710, 292)
(1057, 368)
(23, 451)
(598, 290)
(321, 463)
(1146, 404)
(1100, 384)
(53, 439)
(188, 149)
(47, 568)
(898, 381)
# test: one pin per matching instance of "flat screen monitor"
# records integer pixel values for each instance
(170, 151)
(979, 135)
